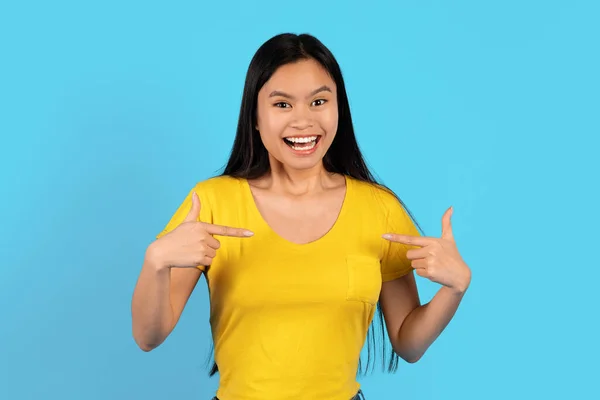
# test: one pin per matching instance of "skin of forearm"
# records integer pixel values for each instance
(152, 313)
(424, 324)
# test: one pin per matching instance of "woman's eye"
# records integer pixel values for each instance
(319, 102)
(282, 105)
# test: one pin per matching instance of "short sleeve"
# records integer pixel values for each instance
(183, 210)
(394, 263)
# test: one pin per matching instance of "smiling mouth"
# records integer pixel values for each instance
(302, 143)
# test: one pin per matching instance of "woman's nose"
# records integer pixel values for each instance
(302, 119)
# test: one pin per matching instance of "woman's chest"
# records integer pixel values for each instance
(261, 271)
(300, 220)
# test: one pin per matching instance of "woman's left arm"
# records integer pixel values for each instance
(412, 327)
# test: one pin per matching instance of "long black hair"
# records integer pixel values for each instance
(249, 158)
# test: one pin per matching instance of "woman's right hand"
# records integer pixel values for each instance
(192, 243)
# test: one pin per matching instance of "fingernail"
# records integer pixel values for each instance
(248, 233)
(387, 236)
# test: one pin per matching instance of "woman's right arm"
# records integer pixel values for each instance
(159, 298)
(172, 266)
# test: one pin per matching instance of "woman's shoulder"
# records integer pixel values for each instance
(221, 184)
(383, 205)
(223, 191)
(382, 201)
(373, 193)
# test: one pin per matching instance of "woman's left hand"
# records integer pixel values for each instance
(437, 259)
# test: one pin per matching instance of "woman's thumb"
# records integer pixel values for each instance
(194, 213)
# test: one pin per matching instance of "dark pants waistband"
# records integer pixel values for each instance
(359, 396)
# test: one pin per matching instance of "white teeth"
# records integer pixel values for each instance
(302, 139)
(308, 146)
(302, 143)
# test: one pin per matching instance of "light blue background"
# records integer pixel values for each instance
(110, 111)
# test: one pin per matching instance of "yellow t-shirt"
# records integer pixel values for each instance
(289, 321)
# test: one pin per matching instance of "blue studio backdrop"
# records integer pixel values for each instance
(111, 111)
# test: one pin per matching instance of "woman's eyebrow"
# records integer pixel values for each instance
(323, 88)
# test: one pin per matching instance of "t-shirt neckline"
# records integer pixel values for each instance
(257, 215)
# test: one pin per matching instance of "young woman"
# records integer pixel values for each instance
(298, 243)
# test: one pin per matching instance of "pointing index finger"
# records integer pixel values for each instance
(227, 231)
(407, 239)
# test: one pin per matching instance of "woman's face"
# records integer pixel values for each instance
(297, 114)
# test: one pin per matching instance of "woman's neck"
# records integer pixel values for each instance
(298, 182)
